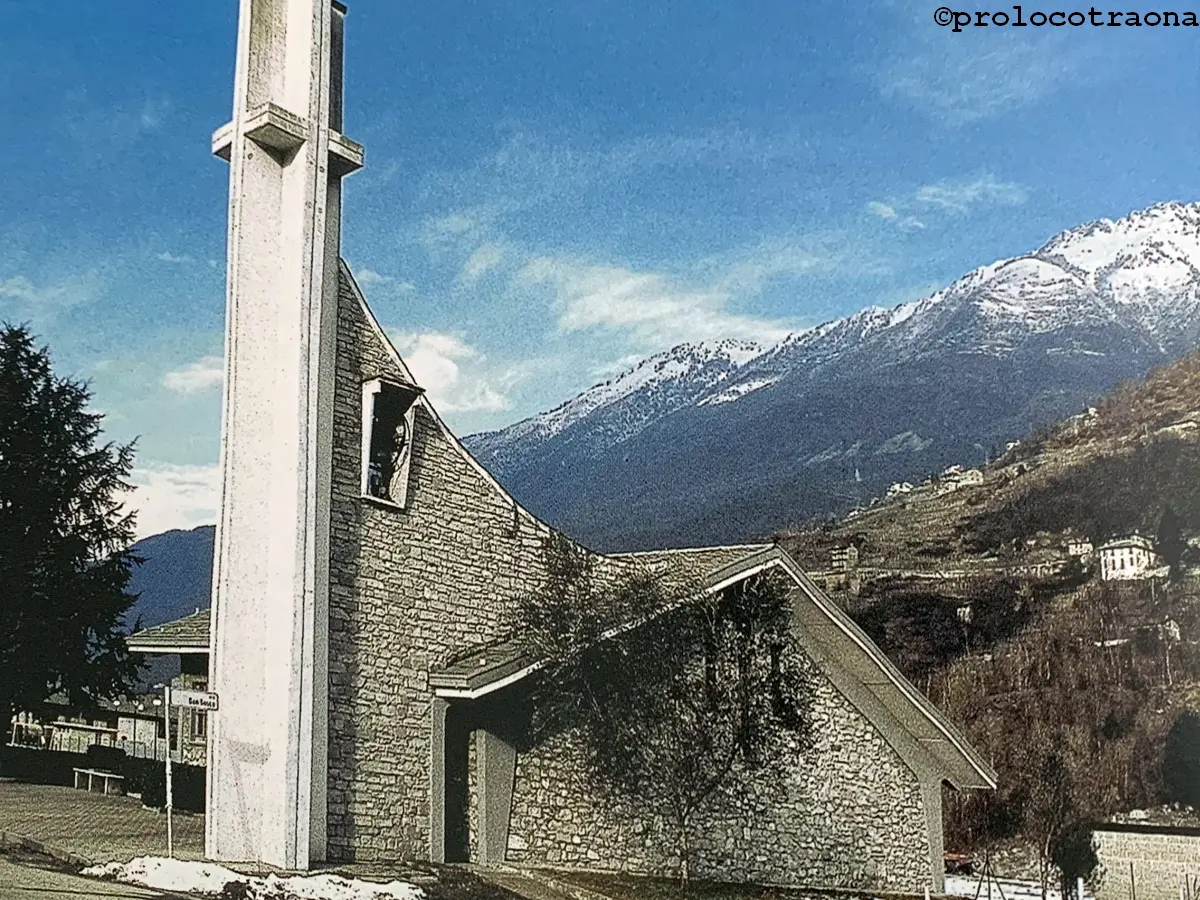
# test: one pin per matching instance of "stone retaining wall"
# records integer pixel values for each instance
(1161, 863)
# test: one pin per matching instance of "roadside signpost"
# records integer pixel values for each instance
(205, 700)
(195, 699)
(167, 731)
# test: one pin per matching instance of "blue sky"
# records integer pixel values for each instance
(555, 190)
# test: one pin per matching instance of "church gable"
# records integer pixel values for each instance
(420, 650)
(848, 812)
(412, 583)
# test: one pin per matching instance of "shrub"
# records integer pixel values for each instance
(148, 778)
(107, 759)
(1074, 853)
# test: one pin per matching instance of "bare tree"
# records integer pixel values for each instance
(674, 694)
(1049, 810)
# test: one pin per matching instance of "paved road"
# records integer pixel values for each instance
(93, 826)
(25, 876)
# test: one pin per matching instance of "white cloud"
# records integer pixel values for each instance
(102, 125)
(21, 289)
(481, 261)
(20, 298)
(617, 366)
(448, 227)
(169, 496)
(888, 213)
(747, 271)
(368, 277)
(655, 309)
(960, 196)
(456, 375)
(534, 176)
(948, 197)
(169, 257)
(883, 210)
(528, 170)
(979, 73)
(201, 375)
(154, 112)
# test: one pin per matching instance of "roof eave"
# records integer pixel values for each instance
(984, 775)
(166, 649)
(964, 768)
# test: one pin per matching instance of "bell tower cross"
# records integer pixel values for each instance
(267, 750)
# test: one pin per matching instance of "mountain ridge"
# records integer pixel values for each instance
(1094, 304)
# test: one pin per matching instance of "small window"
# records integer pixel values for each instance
(199, 725)
(387, 439)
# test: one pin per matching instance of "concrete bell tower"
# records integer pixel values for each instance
(269, 648)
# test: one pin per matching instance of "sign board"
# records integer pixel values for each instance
(194, 699)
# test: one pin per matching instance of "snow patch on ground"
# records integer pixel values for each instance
(208, 878)
(1013, 889)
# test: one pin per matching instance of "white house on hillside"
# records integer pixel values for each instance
(1079, 546)
(956, 476)
(1128, 558)
(844, 559)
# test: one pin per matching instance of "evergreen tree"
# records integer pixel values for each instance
(64, 537)
(1170, 541)
(1181, 760)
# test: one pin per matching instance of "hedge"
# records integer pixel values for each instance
(142, 776)
(36, 766)
(148, 778)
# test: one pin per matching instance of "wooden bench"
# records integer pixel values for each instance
(106, 778)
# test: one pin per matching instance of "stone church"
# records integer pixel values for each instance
(365, 563)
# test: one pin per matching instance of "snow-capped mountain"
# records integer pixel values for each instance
(723, 441)
(619, 408)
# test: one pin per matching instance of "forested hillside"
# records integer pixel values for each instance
(1068, 684)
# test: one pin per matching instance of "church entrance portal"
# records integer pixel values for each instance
(476, 757)
(459, 731)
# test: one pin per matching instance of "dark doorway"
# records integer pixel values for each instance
(458, 829)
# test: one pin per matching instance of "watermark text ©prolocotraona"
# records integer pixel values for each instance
(961, 19)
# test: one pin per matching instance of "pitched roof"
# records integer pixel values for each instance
(186, 635)
(698, 562)
(492, 666)
(1131, 540)
(856, 666)
(852, 661)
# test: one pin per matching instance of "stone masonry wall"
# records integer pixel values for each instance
(849, 814)
(408, 588)
(1161, 865)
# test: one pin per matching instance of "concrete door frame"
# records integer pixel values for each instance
(495, 777)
